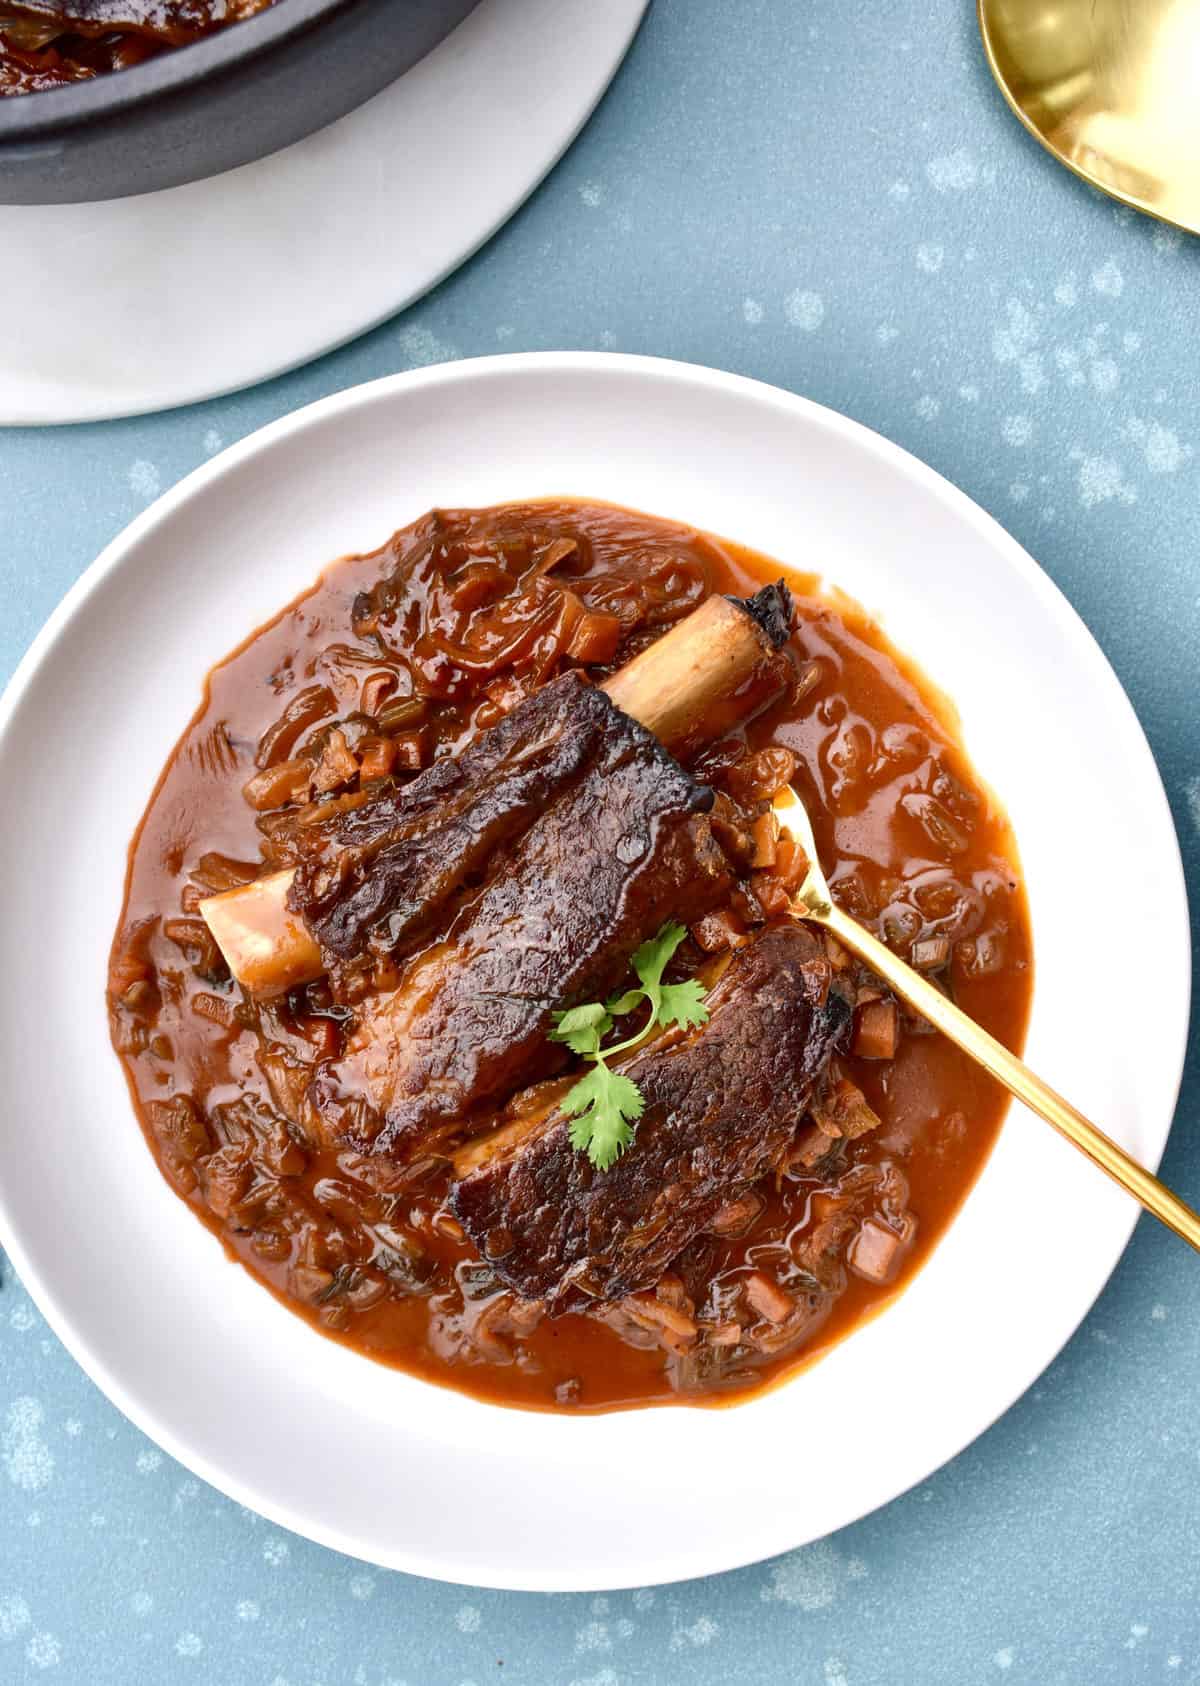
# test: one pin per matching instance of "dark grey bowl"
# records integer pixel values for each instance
(239, 95)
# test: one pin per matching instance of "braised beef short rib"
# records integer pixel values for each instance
(558, 841)
(721, 1106)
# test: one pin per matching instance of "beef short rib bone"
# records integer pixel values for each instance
(712, 668)
(721, 1105)
(612, 841)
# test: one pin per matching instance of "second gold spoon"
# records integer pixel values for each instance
(820, 907)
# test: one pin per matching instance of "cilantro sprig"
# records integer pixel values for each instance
(605, 1105)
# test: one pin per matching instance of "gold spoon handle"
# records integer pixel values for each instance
(1014, 1074)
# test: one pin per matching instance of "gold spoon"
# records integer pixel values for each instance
(919, 993)
(1109, 87)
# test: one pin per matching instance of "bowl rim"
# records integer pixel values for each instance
(181, 70)
(780, 1535)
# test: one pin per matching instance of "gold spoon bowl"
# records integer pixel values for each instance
(1111, 88)
(815, 903)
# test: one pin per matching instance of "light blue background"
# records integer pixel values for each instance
(829, 195)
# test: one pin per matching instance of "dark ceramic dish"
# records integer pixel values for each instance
(238, 95)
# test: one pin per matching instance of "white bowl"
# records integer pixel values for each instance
(392, 1469)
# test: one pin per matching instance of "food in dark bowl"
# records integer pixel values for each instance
(47, 43)
(123, 97)
(460, 986)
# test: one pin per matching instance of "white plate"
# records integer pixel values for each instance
(216, 285)
(398, 1471)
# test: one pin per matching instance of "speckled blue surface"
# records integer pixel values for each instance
(828, 194)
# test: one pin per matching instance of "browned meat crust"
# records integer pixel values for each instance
(591, 836)
(720, 1108)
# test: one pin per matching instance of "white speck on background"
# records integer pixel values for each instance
(420, 348)
(930, 257)
(835, 1672)
(1016, 430)
(212, 442)
(505, 331)
(141, 1603)
(22, 1317)
(1004, 1657)
(147, 1462)
(189, 1645)
(752, 312)
(969, 392)
(1018, 336)
(899, 191)
(1137, 1633)
(954, 172)
(98, 1519)
(275, 1551)
(247, 1610)
(185, 1493)
(1108, 280)
(600, 1606)
(1105, 375)
(643, 1598)
(625, 1628)
(1174, 1660)
(73, 1427)
(804, 310)
(362, 1587)
(14, 1616)
(468, 1619)
(608, 339)
(928, 407)
(43, 1651)
(1167, 241)
(593, 1636)
(27, 1458)
(813, 1577)
(1101, 481)
(1033, 375)
(702, 1632)
(886, 333)
(143, 480)
(1163, 451)
(592, 193)
(1065, 292)
(1019, 491)
(606, 1677)
(1102, 1337)
(1131, 342)
(1158, 1313)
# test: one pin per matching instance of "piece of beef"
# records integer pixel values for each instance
(721, 1105)
(592, 837)
(382, 876)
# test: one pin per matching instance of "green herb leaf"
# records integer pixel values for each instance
(625, 1003)
(582, 1028)
(604, 1104)
(683, 1004)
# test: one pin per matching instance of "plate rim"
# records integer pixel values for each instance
(770, 1541)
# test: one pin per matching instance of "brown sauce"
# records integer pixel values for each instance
(913, 843)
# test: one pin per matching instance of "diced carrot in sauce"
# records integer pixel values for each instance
(595, 638)
(719, 931)
(876, 1030)
(765, 832)
(773, 897)
(791, 864)
(768, 1298)
(377, 757)
(412, 749)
